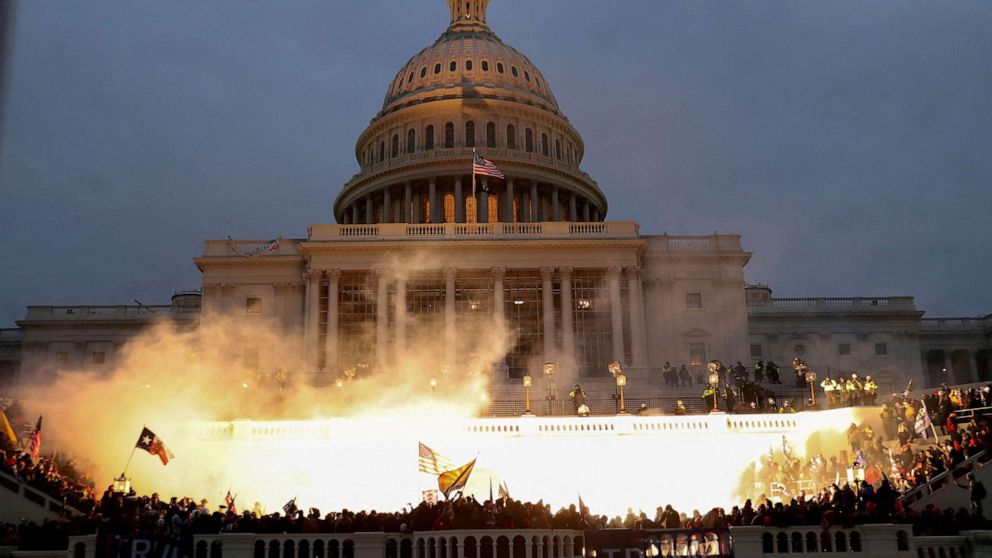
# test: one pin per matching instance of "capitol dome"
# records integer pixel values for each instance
(469, 92)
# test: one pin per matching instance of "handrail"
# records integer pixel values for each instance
(916, 493)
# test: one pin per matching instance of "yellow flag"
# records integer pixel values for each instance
(454, 479)
(6, 430)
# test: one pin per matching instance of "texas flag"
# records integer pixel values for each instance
(154, 445)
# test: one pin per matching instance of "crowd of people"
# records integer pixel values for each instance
(862, 484)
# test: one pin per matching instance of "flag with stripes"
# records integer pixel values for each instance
(290, 507)
(433, 463)
(484, 167)
(34, 441)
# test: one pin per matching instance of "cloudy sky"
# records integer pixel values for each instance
(850, 143)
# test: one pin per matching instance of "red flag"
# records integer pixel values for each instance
(34, 446)
(154, 445)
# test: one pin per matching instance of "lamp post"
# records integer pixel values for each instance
(527, 384)
(615, 369)
(811, 380)
(714, 368)
(621, 382)
(122, 484)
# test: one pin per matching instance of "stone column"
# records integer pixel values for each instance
(482, 203)
(354, 213)
(508, 203)
(459, 201)
(635, 299)
(567, 314)
(449, 314)
(572, 213)
(535, 203)
(435, 215)
(381, 317)
(548, 304)
(387, 206)
(312, 279)
(525, 207)
(400, 341)
(555, 206)
(407, 202)
(616, 311)
(331, 341)
(595, 215)
(585, 211)
(369, 210)
(499, 319)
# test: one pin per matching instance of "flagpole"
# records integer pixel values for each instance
(473, 175)
(932, 427)
(128, 464)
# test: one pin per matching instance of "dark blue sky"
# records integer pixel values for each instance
(850, 143)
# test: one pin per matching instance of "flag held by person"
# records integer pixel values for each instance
(34, 441)
(456, 479)
(154, 445)
(923, 422)
(290, 507)
(583, 508)
(432, 462)
(6, 429)
(229, 501)
(504, 492)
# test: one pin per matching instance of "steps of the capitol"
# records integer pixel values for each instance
(18, 501)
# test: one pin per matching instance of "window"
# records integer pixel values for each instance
(694, 301)
(411, 141)
(453, 66)
(395, 150)
(485, 66)
(253, 305)
(468, 65)
(423, 72)
(491, 134)
(511, 137)
(544, 145)
(558, 149)
(844, 349)
(755, 350)
(61, 358)
(382, 151)
(513, 70)
(526, 75)
(881, 349)
(470, 134)
(429, 137)
(697, 354)
(437, 68)
(449, 135)
(409, 80)
(499, 67)
(529, 140)
(98, 357)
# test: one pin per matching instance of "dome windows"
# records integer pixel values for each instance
(513, 70)
(409, 80)
(449, 135)
(511, 136)
(527, 75)
(452, 66)
(470, 134)
(544, 145)
(491, 134)
(437, 68)
(468, 65)
(394, 150)
(423, 72)
(499, 67)
(485, 66)
(529, 140)
(411, 141)
(429, 137)
(382, 151)
(558, 150)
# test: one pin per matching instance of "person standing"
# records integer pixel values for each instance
(976, 493)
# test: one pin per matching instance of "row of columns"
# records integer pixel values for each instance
(314, 277)
(530, 211)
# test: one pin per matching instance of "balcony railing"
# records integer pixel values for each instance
(955, 323)
(117, 312)
(468, 231)
(855, 304)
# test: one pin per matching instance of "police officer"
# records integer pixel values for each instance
(829, 386)
(870, 390)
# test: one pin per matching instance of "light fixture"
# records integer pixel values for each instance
(122, 484)
(473, 305)
(518, 302)
(550, 368)
(583, 304)
(433, 383)
(614, 367)
(527, 384)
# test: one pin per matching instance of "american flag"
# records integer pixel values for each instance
(290, 507)
(432, 462)
(34, 444)
(485, 167)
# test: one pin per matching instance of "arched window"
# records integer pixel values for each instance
(544, 145)
(423, 72)
(782, 543)
(840, 541)
(382, 151)
(811, 542)
(513, 70)
(468, 65)
(491, 134)
(485, 66)
(411, 141)
(449, 135)
(529, 140)
(526, 75)
(767, 543)
(437, 68)
(394, 151)
(470, 134)
(499, 67)
(558, 149)
(453, 66)
(429, 137)
(511, 136)
(409, 80)
(797, 542)
(855, 541)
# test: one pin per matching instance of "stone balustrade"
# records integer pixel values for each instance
(120, 311)
(822, 304)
